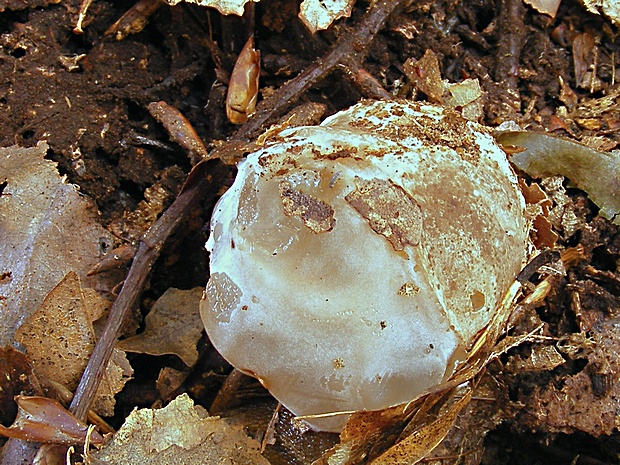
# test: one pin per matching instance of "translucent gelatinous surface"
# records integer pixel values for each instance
(349, 261)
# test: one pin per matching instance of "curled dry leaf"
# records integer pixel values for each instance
(179, 433)
(173, 326)
(243, 84)
(595, 172)
(423, 440)
(180, 130)
(41, 419)
(47, 230)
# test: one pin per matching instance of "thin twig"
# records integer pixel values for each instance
(510, 45)
(349, 50)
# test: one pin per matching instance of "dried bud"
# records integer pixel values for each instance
(243, 84)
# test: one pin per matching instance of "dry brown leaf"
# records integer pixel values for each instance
(592, 171)
(425, 74)
(421, 442)
(173, 326)
(47, 230)
(168, 381)
(179, 433)
(59, 338)
(585, 55)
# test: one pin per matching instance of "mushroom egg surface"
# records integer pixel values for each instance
(352, 262)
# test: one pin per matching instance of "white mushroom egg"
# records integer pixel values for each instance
(352, 263)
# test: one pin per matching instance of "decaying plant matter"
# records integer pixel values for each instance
(487, 55)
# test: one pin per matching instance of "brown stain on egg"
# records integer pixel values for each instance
(389, 209)
(318, 216)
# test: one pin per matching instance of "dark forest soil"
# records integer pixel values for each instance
(87, 96)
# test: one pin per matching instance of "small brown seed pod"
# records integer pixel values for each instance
(243, 84)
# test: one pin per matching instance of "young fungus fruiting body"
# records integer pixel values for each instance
(352, 261)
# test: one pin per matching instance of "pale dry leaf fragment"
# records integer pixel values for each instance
(173, 326)
(595, 172)
(611, 8)
(179, 433)
(542, 358)
(466, 95)
(320, 14)
(226, 7)
(548, 7)
(47, 230)
(59, 338)
(135, 223)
